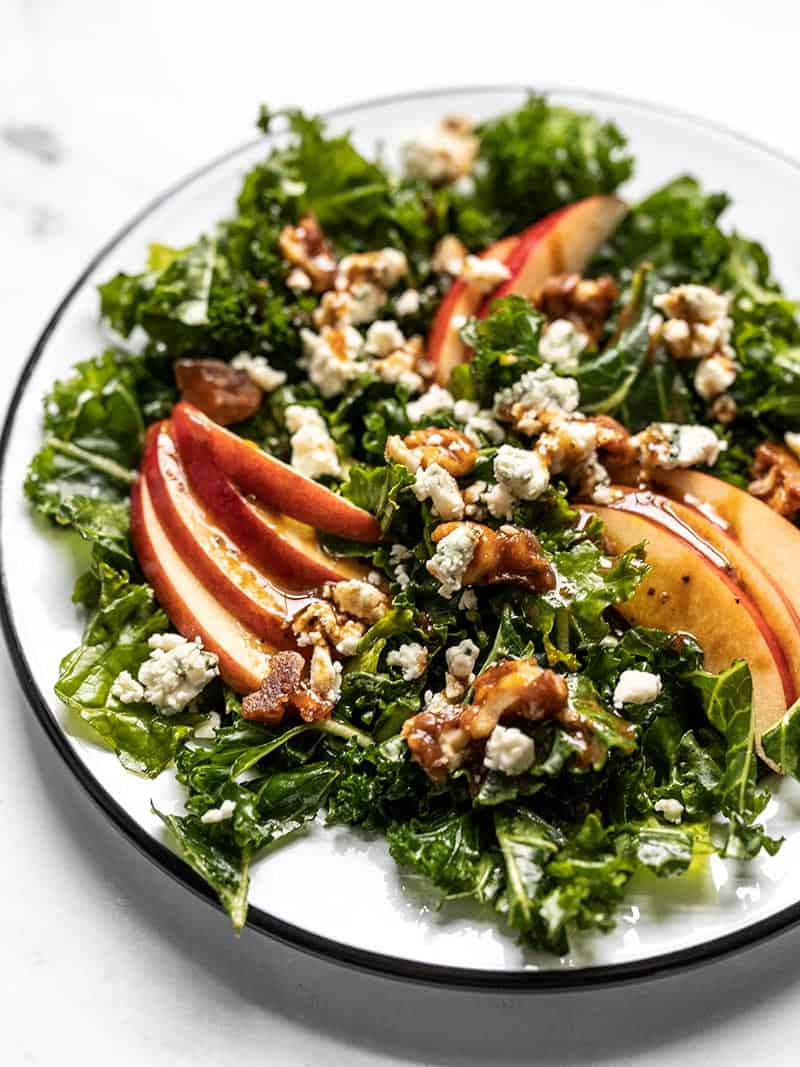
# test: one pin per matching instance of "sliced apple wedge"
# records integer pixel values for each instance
(444, 348)
(563, 241)
(287, 551)
(772, 541)
(272, 482)
(193, 610)
(205, 549)
(689, 589)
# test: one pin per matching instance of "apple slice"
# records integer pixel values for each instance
(272, 482)
(772, 541)
(737, 563)
(563, 241)
(445, 349)
(204, 548)
(284, 549)
(689, 590)
(193, 610)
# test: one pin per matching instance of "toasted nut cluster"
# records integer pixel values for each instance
(222, 392)
(509, 554)
(284, 687)
(451, 449)
(340, 616)
(306, 247)
(697, 322)
(444, 736)
(449, 255)
(585, 302)
(360, 287)
(776, 479)
(402, 365)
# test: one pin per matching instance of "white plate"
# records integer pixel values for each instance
(336, 891)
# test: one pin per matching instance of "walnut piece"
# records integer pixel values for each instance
(509, 554)
(585, 302)
(306, 247)
(285, 687)
(451, 449)
(776, 479)
(222, 392)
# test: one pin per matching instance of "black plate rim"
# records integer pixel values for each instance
(479, 980)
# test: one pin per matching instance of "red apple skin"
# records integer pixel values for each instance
(770, 540)
(286, 551)
(192, 609)
(709, 605)
(444, 348)
(205, 549)
(741, 567)
(272, 482)
(562, 242)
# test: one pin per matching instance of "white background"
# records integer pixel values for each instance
(102, 958)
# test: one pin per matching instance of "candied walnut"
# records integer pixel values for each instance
(435, 738)
(518, 688)
(619, 455)
(319, 623)
(223, 393)
(306, 247)
(451, 449)
(585, 302)
(776, 479)
(285, 687)
(509, 554)
(383, 268)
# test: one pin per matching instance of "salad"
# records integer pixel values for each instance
(456, 503)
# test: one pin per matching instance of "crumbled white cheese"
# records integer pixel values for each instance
(399, 555)
(636, 687)
(207, 729)
(484, 273)
(258, 370)
(468, 601)
(412, 659)
(126, 689)
(671, 810)
(478, 423)
(313, 449)
(792, 442)
(509, 751)
(461, 659)
(325, 675)
(714, 376)
(698, 323)
(384, 337)
(537, 391)
(443, 154)
(362, 600)
(220, 814)
(500, 501)
(435, 399)
(366, 301)
(407, 303)
(334, 357)
(448, 255)
(699, 302)
(398, 369)
(561, 344)
(438, 485)
(298, 280)
(174, 674)
(524, 474)
(669, 445)
(452, 557)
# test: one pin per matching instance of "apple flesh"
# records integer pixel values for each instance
(563, 241)
(769, 539)
(689, 590)
(193, 609)
(287, 551)
(445, 349)
(272, 482)
(204, 548)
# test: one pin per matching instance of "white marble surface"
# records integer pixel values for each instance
(102, 104)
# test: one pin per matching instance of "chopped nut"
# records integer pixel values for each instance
(509, 554)
(222, 392)
(285, 687)
(451, 449)
(697, 326)
(776, 479)
(585, 302)
(449, 255)
(305, 246)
